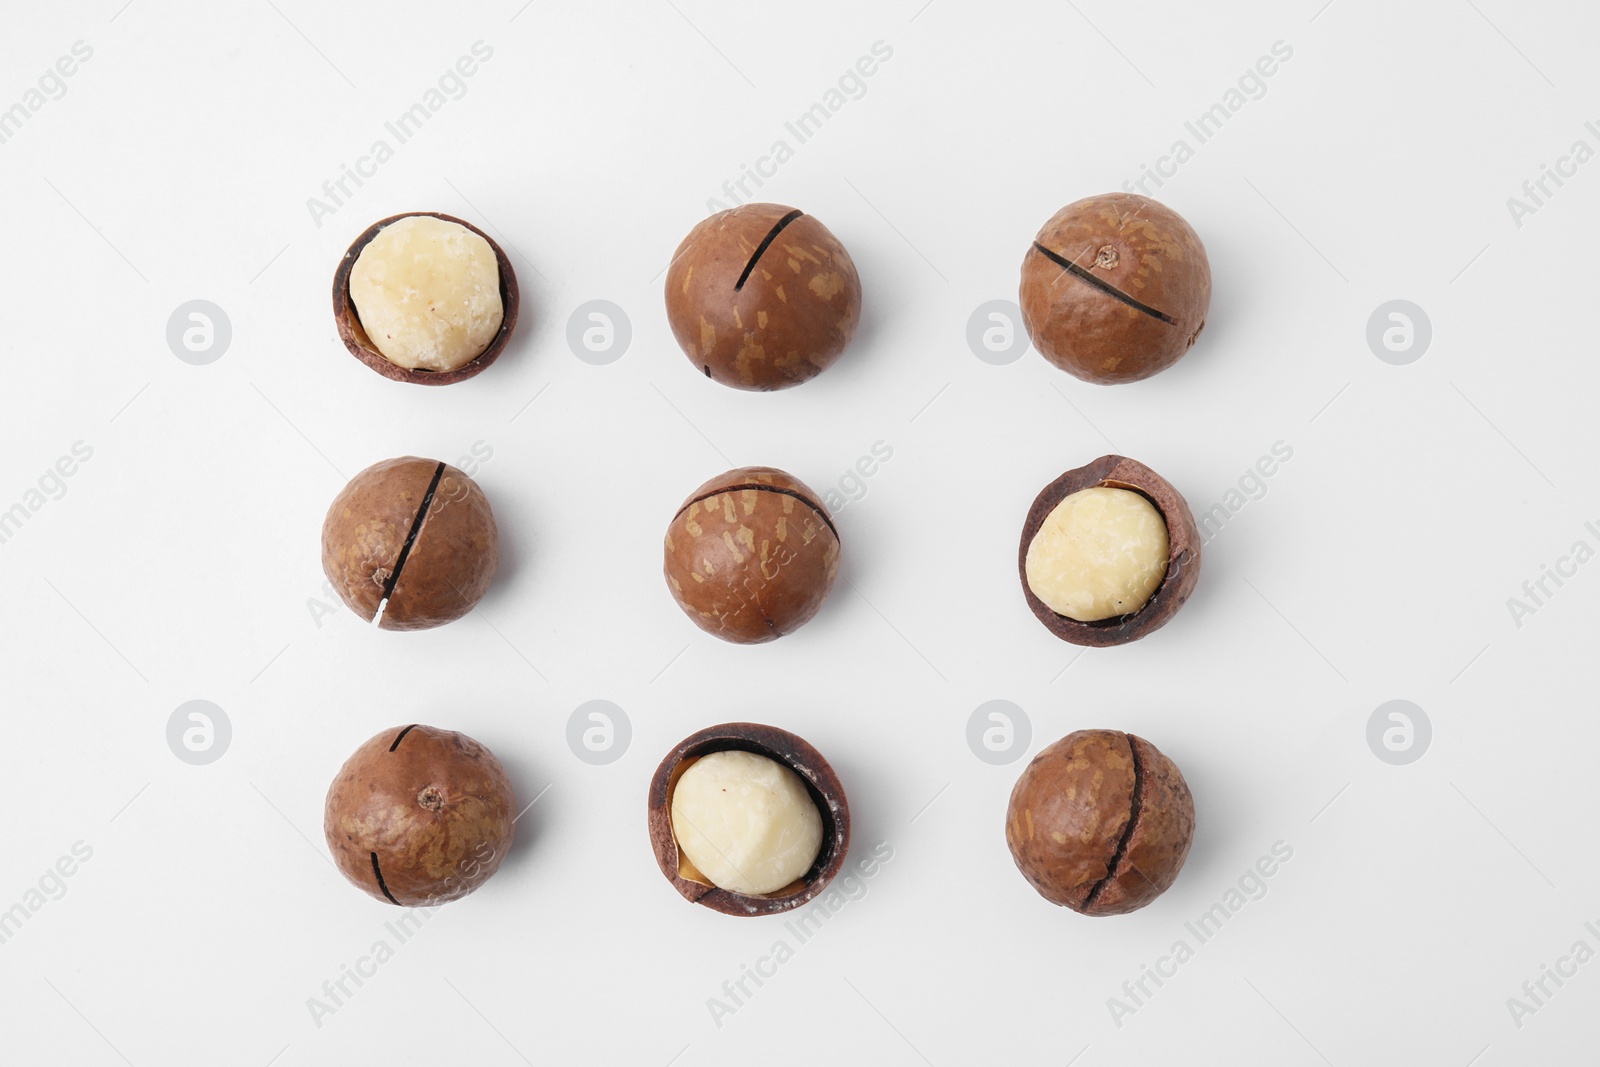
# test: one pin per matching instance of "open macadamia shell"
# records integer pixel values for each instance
(762, 296)
(1115, 288)
(1183, 551)
(417, 531)
(820, 781)
(419, 816)
(751, 555)
(1100, 822)
(354, 335)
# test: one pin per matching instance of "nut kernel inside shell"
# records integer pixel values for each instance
(744, 822)
(793, 752)
(427, 292)
(1183, 551)
(1101, 553)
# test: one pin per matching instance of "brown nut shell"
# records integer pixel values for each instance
(354, 335)
(1100, 822)
(776, 744)
(751, 555)
(1115, 288)
(1183, 551)
(762, 296)
(419, 816)
(417, 531)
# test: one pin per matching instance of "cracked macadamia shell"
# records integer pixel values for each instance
(419, 816)
(1115, 288)
(427, 520)
(751, 555)
(762, 296)
(1100, 822)
(1176, 579)
(807, 767)
(431, 305)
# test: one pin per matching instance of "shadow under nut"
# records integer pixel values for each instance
(761, 300)
(1100, 822)
(751, 555)
(1183, 551)
(1115, 288)
(453, 551)
(348, 320)
(419, 816)
(820, 780)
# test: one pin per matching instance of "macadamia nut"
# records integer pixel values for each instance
(1100, 822)
(428, 293)
(1101, 553)
(746, 822)
(762, 296)
(1115, 288)
(751, 555)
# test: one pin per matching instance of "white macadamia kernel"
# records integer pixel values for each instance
(746, 822)
(1100, 553)
(427, 292)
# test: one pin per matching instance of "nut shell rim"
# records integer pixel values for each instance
(1183, 551)
(795, 753)
(354, 335)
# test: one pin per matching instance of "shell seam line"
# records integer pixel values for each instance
(416, 528)
(766, 242)
(1121, 853)
(756, 486)
(1104, 286)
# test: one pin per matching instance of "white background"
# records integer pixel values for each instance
(182, 561)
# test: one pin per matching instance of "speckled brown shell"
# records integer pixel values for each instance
(1183, 551)
(360, 345)
(751, 555)
(419, 816)
(1135, 295)
(450, 563)
(793, 752)
(1100, 822)
(791, 317)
